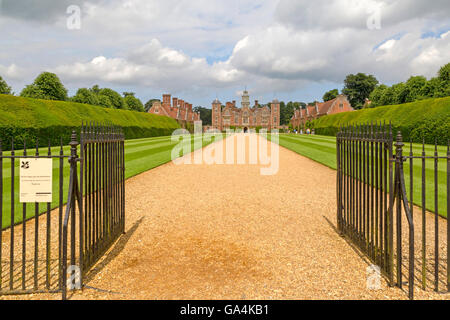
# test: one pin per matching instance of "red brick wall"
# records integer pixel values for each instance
(341, 105)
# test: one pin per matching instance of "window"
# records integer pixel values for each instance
(341, 105)
(275, 120)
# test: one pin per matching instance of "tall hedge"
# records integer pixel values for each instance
(28, 119)
(425, 119)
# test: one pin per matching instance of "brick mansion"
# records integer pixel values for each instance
(320, 109)
(246, 117)
(175, 108)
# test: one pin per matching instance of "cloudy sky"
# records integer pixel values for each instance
(199, 49)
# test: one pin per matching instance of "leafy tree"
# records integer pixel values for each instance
(132, 102)
(387, 97)
(104, 101)
(359, 87)
(87, 96)
(4, 88)
(205, 115)
(444, 74)
(377, 95)
(46, 86)
(287, 111)
(400, 93)
(414, 87)
(116, 99)
(95, 89)
(430, 88)
(330, 95)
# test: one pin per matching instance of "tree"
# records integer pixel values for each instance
(287, 111)
(132, 102)
(205, 115)
(377, 95)
(95, 89)
(359, 87)
(400, 93)
(444, 74)
(87, 96)
(4, 88)
(330, 95)
(115, 98)
(414, 87)
(103, 101)
(46, 86)
(444, 77)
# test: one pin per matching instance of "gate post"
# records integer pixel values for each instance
(338, 182)
(398, 165)
(70, 214)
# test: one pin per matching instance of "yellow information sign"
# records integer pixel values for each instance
(35, 180)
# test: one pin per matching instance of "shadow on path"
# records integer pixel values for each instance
(111, 255)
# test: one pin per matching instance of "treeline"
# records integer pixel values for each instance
(416, 88)
(365, 91)
(48, 86)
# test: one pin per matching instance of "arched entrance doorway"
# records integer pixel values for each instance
(245, 130)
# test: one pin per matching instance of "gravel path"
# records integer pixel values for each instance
(227, 232)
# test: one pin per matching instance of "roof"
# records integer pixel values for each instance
(324, 107)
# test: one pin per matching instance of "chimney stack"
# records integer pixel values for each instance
(166, 100)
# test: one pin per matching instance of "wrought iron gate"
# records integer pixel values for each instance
(44, 244)
(30, 239)
(371, 187)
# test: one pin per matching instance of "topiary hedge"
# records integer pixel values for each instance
(28, 119)
(426, 119)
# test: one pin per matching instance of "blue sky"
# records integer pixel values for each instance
(294, 50)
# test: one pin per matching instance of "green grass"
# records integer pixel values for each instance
(140, 155)
(323, 150)
(26, 118)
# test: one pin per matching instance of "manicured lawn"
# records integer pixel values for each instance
(323, 150)
(140, 155)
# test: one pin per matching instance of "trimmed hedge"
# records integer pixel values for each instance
(28, 119)
(425, 119)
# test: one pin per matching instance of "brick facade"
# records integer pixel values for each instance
(320, 109)
(245, 117)
(177, 109)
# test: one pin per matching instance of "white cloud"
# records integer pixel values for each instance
(12, 71)
(152, 65)
(271, 46)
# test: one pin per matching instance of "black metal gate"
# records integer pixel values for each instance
(39, 249)
(371, 186)
(30, 239)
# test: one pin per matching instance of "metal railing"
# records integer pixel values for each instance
(371, 186)
(43, 251)
(100, 197)
(34, 260)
